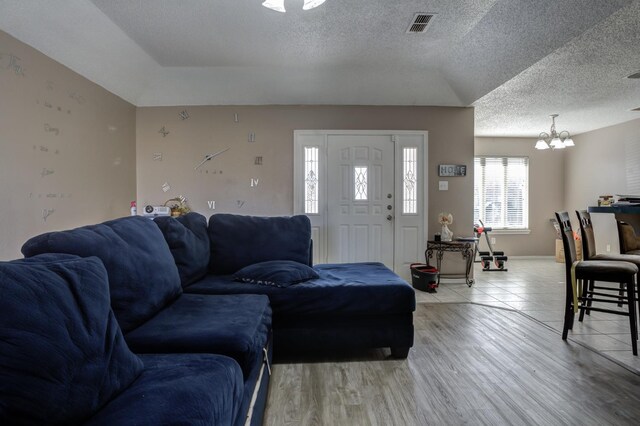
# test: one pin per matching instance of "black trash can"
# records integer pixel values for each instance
(424, 277)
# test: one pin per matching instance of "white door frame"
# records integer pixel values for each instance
(319, 139)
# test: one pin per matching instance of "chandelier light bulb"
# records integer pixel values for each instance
(556, 143)
(541, 144)
(569, 142)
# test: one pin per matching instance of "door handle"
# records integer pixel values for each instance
(389, 217)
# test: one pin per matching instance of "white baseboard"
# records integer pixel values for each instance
(532, 257)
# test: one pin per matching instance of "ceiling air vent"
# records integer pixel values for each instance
(634, 75)
(420, 23)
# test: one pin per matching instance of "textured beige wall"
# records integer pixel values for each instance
(604, 161)
(54, 120)
(209, 129)
(546, 194)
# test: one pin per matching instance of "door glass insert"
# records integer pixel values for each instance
(409, 180)
(311, 180)
(360, 182)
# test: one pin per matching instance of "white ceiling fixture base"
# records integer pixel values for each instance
(278, 5)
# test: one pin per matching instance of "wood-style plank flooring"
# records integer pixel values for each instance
(536, 288)
(471, 364)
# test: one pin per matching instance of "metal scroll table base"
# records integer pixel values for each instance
(466, 248)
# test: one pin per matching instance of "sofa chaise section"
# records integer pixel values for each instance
(352, 305)
(355, 305)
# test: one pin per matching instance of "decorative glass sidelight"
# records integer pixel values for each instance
(409, 180)
(311, 180)
(360, 183)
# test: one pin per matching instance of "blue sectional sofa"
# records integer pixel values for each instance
(225, 295)
(157, 318)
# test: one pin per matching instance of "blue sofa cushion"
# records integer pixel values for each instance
(235, 326)
(183, 389)
(342, 289)
(143, 277)
(239, 241)
(62, 354)
(278, 273)
(188, 241)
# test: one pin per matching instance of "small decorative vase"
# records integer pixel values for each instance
(447, 235)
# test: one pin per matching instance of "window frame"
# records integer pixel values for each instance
(502, 228)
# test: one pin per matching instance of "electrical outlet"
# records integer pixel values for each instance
(443, 185)
(608, 247)
(493, 240)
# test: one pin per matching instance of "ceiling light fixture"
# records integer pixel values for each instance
(278, 5)
(553, 139)
(311, 4)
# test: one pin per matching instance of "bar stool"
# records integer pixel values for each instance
(589, 242)
(629, 242)
(589, 245)
(585, 273)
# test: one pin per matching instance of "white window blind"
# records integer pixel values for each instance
(501, 192)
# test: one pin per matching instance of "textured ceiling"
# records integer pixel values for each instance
(584, 81)
(516, 61)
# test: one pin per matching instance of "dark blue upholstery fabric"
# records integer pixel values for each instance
(62, 354)
(188, 240)
(237, 326)
(349, 288)
(253, 382)
(315, 333)
(238, 241)
(143, 276)
(279, 273)
(182, 389)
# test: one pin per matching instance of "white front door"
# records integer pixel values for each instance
(360, 199)
(345, 181)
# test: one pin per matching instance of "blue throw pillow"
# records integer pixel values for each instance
(62, 354)
(189, 244)
(143, 277)
(277, 273)
(238, 241)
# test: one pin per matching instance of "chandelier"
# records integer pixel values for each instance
(278, 5)
(553, 139)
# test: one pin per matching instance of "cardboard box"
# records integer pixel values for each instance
(560, 251)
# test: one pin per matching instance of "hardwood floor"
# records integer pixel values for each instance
(470, 364)
(536, 288)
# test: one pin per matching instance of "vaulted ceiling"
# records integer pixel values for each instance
(515, 61)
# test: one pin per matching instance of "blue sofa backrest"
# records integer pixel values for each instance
(238, 241)
(188, 239)
(143, 277)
